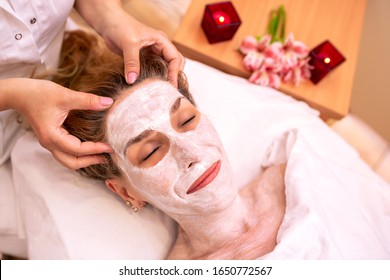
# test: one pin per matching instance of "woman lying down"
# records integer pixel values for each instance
(305, 204)
(167, 154)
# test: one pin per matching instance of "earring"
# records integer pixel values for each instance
(142, 204)
(128, 203)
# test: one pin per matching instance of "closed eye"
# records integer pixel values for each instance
(149, 155)
(188, 121)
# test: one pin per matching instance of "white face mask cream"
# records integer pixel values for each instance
(194, 176)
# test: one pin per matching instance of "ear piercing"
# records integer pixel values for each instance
(142, 204)
(135, 209)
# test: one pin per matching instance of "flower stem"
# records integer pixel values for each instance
(277, 24)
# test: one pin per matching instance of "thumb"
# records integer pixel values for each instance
(131, 60)
(89, 101)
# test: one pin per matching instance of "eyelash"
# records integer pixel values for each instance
(149, 155)
(188, 121)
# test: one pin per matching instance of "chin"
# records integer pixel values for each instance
(221, 192)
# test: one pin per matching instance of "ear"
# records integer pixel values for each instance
(120, 187)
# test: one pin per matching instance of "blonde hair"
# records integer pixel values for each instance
(86, 65)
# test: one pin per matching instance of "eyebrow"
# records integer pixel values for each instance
(176, 105)
(137, 139)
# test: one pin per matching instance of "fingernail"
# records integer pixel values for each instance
(106, 101)
(131, 77)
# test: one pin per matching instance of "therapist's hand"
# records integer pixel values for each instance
(125, 36)
(45, 105)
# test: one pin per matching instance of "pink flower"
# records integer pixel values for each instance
(256, 55)
(263, 43)
(295, 48)
(248, 44)
(253, 60)
(274, 51)
(267, 74)
(265, 78)
(301, 71)
(271, 64)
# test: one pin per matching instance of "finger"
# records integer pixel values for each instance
(75, 162)
(70, 144)
(87, 101)
(131, 60)
(174, 67)
(174, 58)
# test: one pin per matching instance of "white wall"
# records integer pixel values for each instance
(371, 91)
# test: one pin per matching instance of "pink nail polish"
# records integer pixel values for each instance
(106, 101)
(131, 77)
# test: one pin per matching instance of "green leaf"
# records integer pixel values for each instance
(282, 17)
(272, 23)
(277, 24)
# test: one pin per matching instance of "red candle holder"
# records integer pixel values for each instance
(324, 58)
(220, 22)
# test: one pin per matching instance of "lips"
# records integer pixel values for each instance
(206, 178)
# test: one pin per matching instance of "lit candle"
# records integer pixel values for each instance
(221, 18)
(324, 58)
(220, 22)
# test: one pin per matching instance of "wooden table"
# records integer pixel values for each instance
(311, 21)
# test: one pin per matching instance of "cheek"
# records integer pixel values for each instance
(158, 180)
(205, 134)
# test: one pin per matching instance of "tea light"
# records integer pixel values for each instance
(324, 58)
(220, 22)
(221, 18)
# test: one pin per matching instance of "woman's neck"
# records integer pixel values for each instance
(203, 233)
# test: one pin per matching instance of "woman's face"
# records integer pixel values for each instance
(169, 152)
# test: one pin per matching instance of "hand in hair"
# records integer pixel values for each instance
(45, 105)
(126, 36)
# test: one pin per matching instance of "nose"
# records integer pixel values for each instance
(186, 153)
(191, 163)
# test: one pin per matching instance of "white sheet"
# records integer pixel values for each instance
(68, 216)
(334, 211)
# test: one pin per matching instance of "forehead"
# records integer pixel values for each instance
(148, 95)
